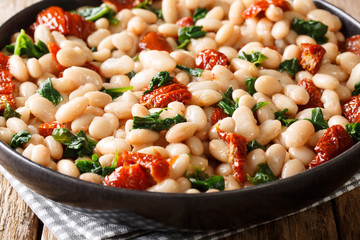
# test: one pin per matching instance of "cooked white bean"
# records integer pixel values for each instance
(330, 20)
(80, 76)
(110, 145)
(169, 11)
(338, 120)
(196, 115)
(6, 134)
(275, 158)
(98, 99)
(195, 145)
(331, 102)
(347, 61)
(69, 57)
(297, 93)
(141, 136)
(303, 153)
(180, 132)
(245, 123)
(325, 81)
(175, 149)
(16, 124)
(291, 168)
(55, 147)
(298, 133)
(179, 166)
(91, 177)
(268, 85)
(115, 66)
(18, 68)
(71, 110)
(269, 130)
(166, 186)
(205, 97)
(27, 89)
(218, 150)
(68, 167)
(34, 68)
(281, 102)
(253, 158)
(121, 109)
(41, 155)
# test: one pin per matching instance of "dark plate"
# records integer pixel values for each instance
(147, 210)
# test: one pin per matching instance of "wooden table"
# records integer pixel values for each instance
(337, 219)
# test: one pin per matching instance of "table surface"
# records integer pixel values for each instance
(337, 219)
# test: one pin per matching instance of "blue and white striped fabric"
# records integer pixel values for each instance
(70, 225)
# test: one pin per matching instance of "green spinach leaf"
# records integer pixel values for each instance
(47, 90)
(354, 130)
(20, 138)
(187, 33)
(254, 57)
(94, 166)
(199, 13)
(9, 112)
(203, 182)
(227, 104)
(285, 121)
(146, 5)
(250, 83)
(159, 80)
(259, 105)
(263, 176)
(254, 145)
(357, 89)
(197, 72)
(95, 13)
(116, 92)
(314, 29)
(317, 119)
(292, 66)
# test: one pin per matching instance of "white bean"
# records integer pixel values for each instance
(291, 168)
(180, 132)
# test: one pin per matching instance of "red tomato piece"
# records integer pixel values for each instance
(208, 58)
(91, 66)
(46, 129)
(311, 57)
(351, 109)
(314, 94)
(121, 4)
(185, 22)
(237, 152)
(352, 44)
(217, 115)
(154, 41)
(160, 97)
(334, 141)
(261, 5)
(56, 19)
(6, 85)
(138, 171)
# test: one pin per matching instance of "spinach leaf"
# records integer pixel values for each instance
(197, 72)
(199, 13)
(146, 5)
(95, 13)
(292, 66)
(159, 80)
(187, 33)
(136, 58)
(259, 105)
(357, 89)
(250, 83)
(76, 145)
(203, 182)
(254, 57)
(9, 112)
(24, 46)
(254, 145)
(47, 90)
(94, 166)
(153, 122)
(20, 138)
(314, 29)
(263, 176)
(354, 130)
(317, 119)
(116, 92)
(280, 115)
(94, 49)
(227, 104)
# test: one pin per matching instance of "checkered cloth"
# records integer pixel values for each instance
(70, 225)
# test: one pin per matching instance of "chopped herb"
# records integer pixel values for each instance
(24, 46)
(254, 57)
(227, 104)
(93, 49)
(280, 115)
(136, 58)
(203, 182)
(94, 166)
(292, 66)
(263, 176)
(153, 122)
(20, 138)
(146, 5)
(254, 145)
(197, 72)
(354, 130)
(76, 145)
(259, 105)
(187, 33)
(357, 89)
(131, 74)
(314, 29)
(116, 92)
(199, 13)
(159, 80)
(9, 112)
(95, 13)
(47, 90)
(250, 83)
(317, 119)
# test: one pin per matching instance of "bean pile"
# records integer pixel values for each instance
(181, 96)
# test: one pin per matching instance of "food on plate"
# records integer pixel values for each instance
(181, 96)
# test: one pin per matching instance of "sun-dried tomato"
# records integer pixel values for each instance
(154, 41)
(185, 22)
(334, 141)
(261, 5)
(237, 152)
(352, 44)
(122, 4)
(6, 85)
(208, 58)
(138, 171)
(160, 97)
(46, 129)
(56, 19)
(311, 57)
(314, 94)
(217, 115)
(351, 109)
(91, 66)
